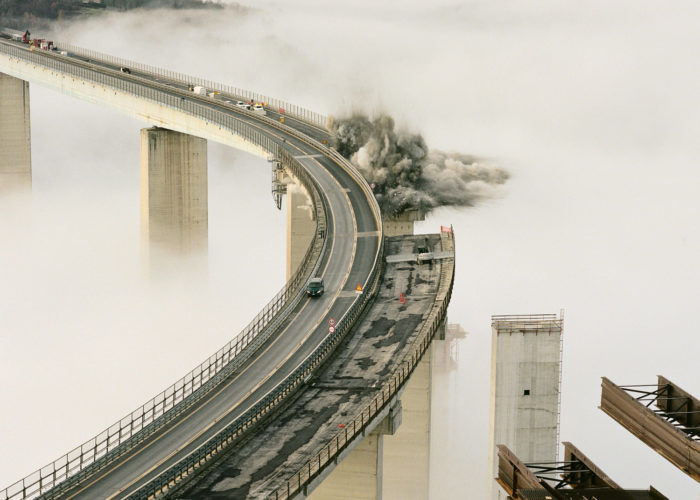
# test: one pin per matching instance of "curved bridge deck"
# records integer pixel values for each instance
(389, 338)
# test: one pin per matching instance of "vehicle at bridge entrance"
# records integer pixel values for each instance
(315, 287)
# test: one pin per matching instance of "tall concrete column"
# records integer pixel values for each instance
(300, 226)
(525, 383)
(358, 476)
(15, 134)
(174, 201)
(406, 459)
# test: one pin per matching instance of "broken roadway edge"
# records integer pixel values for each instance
(259, 466)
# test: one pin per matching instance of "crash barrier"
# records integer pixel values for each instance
(270, 402)
(288, 108)
(329, 453)
(142, 423)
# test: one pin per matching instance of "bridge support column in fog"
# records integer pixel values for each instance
(174, 199)
(396, 464)
(300, 225)
(525, 389)
(406, 461)
(15, 134)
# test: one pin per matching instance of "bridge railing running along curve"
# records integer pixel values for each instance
(327, 455)
(139, 424)
(288, 108)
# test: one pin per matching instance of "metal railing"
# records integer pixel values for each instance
(288, 108)
(265, 405)
(119, 438)
(328, 453)
(278, 395)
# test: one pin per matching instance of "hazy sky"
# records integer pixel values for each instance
(593, 108)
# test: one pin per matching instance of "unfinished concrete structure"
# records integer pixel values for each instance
(403, 223)
(15, 134)
(525, 389)
(174, 202)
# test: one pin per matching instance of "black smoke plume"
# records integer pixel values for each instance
(407, 176)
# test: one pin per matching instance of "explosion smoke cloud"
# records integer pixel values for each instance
(405, 174)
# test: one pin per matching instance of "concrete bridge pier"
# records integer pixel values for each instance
(301, 225)
(406, 467)
(15, 134)
(174, 200)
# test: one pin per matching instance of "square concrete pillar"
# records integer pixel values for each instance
(406, 458)
(174, 199)
(300, 226)
(15, 134)
(358, 476)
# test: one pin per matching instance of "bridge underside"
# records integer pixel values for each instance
(263, 464)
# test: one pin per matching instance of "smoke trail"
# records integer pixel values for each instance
(405, 174)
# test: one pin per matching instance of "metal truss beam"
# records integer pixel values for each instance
(671, 429)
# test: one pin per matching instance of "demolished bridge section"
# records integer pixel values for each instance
(291, 455)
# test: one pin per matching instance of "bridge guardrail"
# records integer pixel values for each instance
(290, 109)
(107, 444)
(265, 405)
(389, 389)
(276, 396)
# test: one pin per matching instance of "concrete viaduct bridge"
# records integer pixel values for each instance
(289, 408)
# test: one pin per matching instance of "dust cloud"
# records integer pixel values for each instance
(405, 174)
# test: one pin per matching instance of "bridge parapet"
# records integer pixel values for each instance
(275, 399)
(307, 115)
(329, 454)
(348, 400)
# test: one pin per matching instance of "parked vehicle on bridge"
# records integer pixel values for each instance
(315, 287)
(241, 104)
(15, 35)
(258, 108)
(126, 70)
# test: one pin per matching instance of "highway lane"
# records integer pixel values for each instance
(349, 264)
(246, 388)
